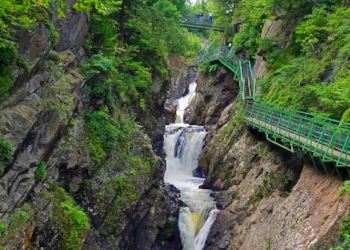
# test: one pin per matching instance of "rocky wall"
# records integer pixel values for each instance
(269, 198)
(213, 94)
(43, 118)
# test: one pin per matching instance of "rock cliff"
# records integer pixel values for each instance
(214, 92)
(59, 192)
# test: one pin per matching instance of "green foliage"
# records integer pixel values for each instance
(40, 172)
(139, 163)
(313, 31)
(133, 171)
(26, 15)
(72, 221)
(344, 235)
(103, 7)
(269, 183)
(126, 195)
(53, 56)
(236, 122)
(253, 14)
(6, 153)
(129, 51)
(268, 247)
(286, 184)
(104, 132)
(14, 15)
(7, 57)
(59, 96)
(19, 219)
(2, 228)
(97, 64)
(345, 188)
(209, 67)
(317, 80)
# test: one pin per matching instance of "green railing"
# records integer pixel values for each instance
(189, 20)
(322, 137)
(241, 69)
(325, 138)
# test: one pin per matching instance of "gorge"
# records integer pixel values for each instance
(110, 138)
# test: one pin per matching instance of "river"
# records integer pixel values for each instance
(182, 144)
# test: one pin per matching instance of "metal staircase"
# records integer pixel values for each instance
(241, 69)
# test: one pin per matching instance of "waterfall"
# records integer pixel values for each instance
(183, 144)
(183, 103)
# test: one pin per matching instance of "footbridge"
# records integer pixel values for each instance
(321, 137)
(191, 21)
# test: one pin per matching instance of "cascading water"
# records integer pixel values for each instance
(182, 145)
(183, 103)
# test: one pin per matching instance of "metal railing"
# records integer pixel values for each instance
(325, 138)
(242, 69)
(191, 20)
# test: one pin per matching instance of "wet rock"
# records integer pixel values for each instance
(182, 77)
(187, 116)
(198, 173)
(223, 198)
(155, 229)
(205, 186)
(170, 111)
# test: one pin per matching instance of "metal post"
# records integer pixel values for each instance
(313, 161)
(324, 167)
(336, 169)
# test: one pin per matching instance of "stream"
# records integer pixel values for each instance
(182, 144)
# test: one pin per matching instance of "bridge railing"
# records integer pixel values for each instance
(324, 137)
(217, 52)
(229, 56)
(241, 69)
(190, 18)
(246, 76)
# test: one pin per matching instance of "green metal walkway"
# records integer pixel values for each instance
(321, 137)
(189, 21)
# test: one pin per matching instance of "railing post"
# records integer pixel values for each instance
(309, 134)
(241, 83)
(252, 80)
(298, 130)
(313, 161)
(345, 146)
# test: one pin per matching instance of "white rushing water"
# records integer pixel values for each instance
(183, 103)
(182, 145)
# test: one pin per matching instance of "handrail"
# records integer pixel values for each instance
(306, 131)
(326, 138)
(241, 69)
(190, 20)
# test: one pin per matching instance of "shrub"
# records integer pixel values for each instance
(2, 227)
(40, 172)
(5, 154)
(72, 220)
(104, 132)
